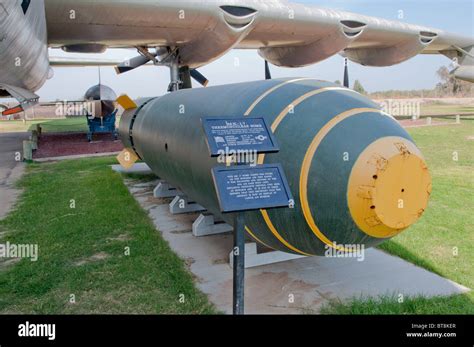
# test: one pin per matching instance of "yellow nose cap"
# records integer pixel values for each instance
(389, 187)
(401, 191)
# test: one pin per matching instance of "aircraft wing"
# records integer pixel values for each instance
(26, 98)
(285, 34)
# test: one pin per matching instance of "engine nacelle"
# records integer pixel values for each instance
(393, 54)
(303, 55)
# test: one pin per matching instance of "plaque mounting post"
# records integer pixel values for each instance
(239, 264)
(241, 187)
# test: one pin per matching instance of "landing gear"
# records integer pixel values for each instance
(175, 82)
(180, 74)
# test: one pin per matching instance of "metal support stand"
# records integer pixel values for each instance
(254, 259)
(181, 204)
(239, 264)
(164, 190)
(207, 224)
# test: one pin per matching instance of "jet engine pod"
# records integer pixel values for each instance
(355, 173)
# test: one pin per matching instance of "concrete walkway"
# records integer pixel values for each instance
(138, 168)
(10, 169)
(292, 287)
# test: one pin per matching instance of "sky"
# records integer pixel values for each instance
(455, 16)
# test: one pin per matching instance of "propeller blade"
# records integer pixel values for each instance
(199, 77)
(346, 74)
(131, 64)
(268, 75)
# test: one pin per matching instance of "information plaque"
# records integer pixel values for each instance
(243, 188)
(238, 134)
(246, 188)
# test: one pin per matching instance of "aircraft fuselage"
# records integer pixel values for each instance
(24, 61)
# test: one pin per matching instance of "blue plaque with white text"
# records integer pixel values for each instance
(227, 135)
(246, 188)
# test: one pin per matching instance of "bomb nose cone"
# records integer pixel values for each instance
(402, 191)
(389, 187)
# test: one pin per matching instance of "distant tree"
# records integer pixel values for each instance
(338, 82)
(450, 84)
(443, 74)
(358, 87)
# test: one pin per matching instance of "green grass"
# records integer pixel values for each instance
(446, 226)
(76, 124)
(82, 250)
(437, 109)
(458, 304)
